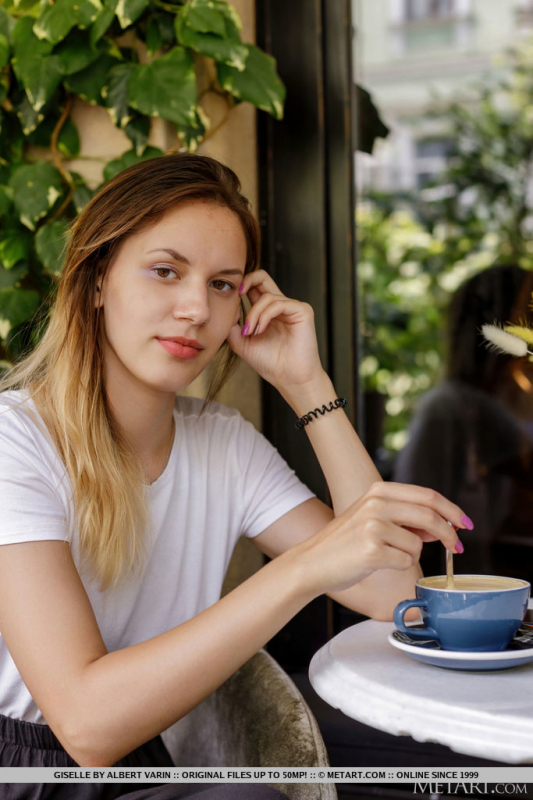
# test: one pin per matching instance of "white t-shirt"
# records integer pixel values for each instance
(223, 479)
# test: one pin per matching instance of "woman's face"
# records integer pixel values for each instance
(178, 279)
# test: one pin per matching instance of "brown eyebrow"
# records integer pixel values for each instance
(178, 257)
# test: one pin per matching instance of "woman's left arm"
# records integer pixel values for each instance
(278, 340)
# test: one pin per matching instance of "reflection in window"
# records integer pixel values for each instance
(430, 158)
(459, 120)
(427, 24)
(423, 179)
(433, 148)
(524, 15)
(424, 9)
(471, 436)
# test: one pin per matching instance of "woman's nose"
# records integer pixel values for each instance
(192, 303)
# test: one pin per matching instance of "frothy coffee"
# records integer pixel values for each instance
(473, 583)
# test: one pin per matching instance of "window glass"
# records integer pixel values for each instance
(424, 9)
(445, 245)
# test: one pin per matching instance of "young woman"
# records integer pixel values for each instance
(121, 502)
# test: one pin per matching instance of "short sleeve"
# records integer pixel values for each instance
(31, 508)
(271, 487)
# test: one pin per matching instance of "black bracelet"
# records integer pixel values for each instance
(340, 402)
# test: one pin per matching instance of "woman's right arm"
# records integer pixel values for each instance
(103, 705)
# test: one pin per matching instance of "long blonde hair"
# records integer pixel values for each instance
(64, 373)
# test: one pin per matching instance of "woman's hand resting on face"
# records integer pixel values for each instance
(384, 529)
(278, 337)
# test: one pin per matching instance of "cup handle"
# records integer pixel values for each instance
(399, 611)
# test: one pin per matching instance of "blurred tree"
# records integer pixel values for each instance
(486, 191)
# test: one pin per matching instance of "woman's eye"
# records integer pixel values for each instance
(223, 285)
(166, 270)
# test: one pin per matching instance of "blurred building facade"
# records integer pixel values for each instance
(410, 52)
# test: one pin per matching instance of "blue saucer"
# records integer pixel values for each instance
(429, 651)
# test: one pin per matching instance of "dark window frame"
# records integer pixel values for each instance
(307, 200)
(307, 216)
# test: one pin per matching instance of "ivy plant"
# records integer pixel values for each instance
(55, 50)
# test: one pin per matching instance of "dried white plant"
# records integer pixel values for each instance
(501, 341)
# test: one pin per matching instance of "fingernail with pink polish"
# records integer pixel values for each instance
(467, 522)
(241, 287)
(459, 546)
(245, 329)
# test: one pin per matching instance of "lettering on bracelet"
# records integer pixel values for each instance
(339, 402)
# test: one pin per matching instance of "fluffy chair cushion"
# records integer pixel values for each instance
(257, 718)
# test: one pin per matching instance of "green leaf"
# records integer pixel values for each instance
(68, 141)
(226, 51)
(57, 17)
(258, 84)
(76, 52)
(7, 23)
(4, 50)
(160, 32)
(11, 141)
(115, 94)
(50, 242)
(88, 82)
(190, 136)
(15, 246)
(36, 187)
(103, 21)
(38, 71)
(203, 18)
(6, 199)
(129, 10)
(138, 131)
(18, 305)
(128, 158)
(82, 194)
(29, 118)
(28, 5)
(213, 16)
(12, 277)
(209, 28)
(153, 37)
(80, 197)
(166, 87)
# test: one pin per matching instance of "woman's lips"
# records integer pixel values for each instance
(179, 350)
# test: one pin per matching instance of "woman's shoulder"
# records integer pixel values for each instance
(22, 426)
(17, 409)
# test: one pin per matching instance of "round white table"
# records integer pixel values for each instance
(483, 714)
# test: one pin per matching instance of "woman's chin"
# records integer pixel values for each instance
(178, 384)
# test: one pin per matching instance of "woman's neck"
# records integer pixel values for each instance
(155, 468)
(146, 421)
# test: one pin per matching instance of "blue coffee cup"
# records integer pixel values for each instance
(481, 613)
